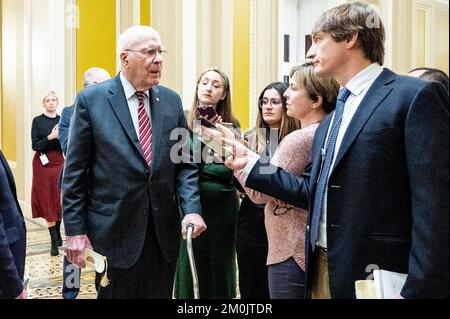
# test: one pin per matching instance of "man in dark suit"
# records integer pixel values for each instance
(12, 237)
(71, 275)
(121, 188)
(377, 189)
(91, 77)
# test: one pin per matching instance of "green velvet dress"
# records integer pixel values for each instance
(214, 249)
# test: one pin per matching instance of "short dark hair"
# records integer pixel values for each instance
(343, 21)
(431, 74)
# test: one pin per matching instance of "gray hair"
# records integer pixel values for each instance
(95, 75)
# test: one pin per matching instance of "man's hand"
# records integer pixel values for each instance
(197, 221)
(241, 153)
(75, 249)
(23, 295)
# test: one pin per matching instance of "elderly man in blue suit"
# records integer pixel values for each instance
(122, 186)
(377, 188)
(12, 237)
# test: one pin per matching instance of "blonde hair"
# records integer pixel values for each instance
(46, 94)
(223, 107)
(303, 74)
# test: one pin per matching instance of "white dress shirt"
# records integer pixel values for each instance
(358, 86)
(133, 102)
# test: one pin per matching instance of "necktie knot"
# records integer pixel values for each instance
(140, 95)
(343, 95)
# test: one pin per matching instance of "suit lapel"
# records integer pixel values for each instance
(157, 123)
(374, 97)
(120, 107)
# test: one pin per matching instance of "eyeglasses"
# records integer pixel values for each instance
(265, 102)
(150, 53)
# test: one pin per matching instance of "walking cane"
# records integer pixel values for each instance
(190, 251)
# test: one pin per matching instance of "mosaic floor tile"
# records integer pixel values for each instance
(45, 271)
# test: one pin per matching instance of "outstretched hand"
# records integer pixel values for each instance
(241, 154)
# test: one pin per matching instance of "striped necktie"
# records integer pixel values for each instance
(344, 93)
(145, 128)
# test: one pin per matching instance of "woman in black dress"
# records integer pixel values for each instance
(272, 125)
(47, 164)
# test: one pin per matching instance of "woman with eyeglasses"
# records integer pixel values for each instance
(272, 125)
(309, 100)
(215, 249)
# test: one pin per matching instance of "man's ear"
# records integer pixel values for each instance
(124, 59)
(352, 41)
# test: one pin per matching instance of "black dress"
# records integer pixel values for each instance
(251, 249)
(252, 245)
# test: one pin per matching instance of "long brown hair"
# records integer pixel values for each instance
(223, 107)
(259, 136)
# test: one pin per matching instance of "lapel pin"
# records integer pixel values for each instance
(157, 99)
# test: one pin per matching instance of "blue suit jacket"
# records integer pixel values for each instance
(109, 191)
(388, 191)
(64, 124)
(12, 235)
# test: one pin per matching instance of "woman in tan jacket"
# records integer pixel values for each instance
(309, 99)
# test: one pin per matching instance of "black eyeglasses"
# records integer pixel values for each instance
(273, 102)
(150, 53)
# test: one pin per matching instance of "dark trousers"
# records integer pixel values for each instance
(150, 278)
(286, 280)
(251, 250)
(71, 280)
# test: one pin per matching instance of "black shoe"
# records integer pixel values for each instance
(58, 232)
(54, 241)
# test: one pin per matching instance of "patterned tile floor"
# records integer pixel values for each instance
(45, 271)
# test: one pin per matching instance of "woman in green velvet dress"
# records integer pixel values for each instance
(215, 249)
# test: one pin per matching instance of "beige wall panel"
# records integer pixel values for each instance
(420, 35)
(441, 53)
(167, 19)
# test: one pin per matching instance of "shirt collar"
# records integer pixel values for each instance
(128, 88)
(364, 78)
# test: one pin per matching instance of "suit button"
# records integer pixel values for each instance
(156, 209)
(147, 171)
(145, 212)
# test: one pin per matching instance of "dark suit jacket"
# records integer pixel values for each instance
(109, 192)
(388, 191)
(12, 235)
(64, 123)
